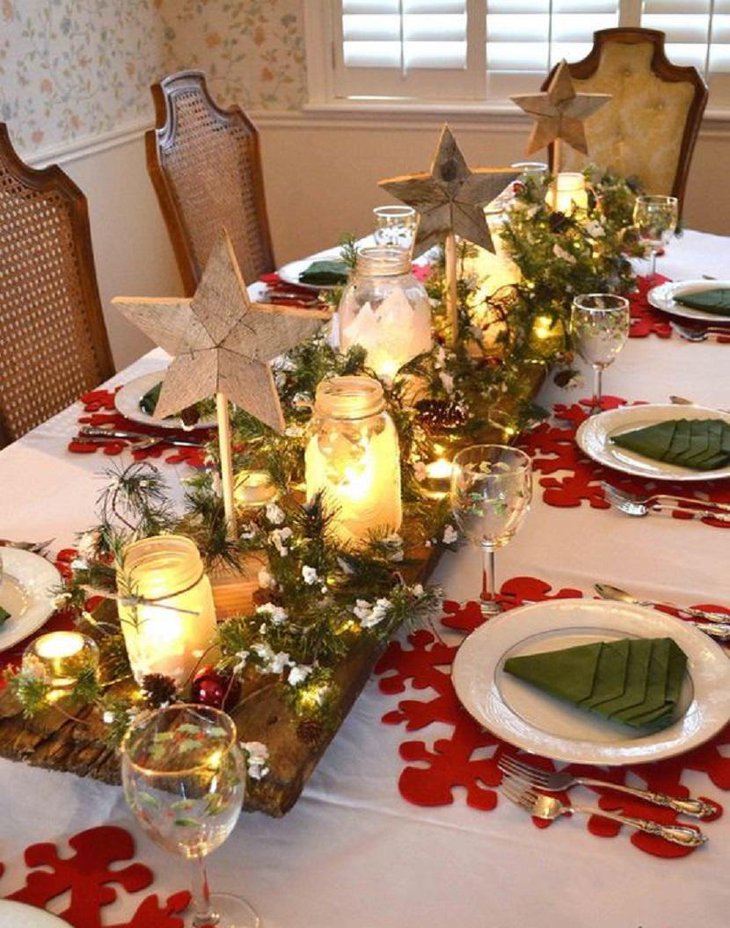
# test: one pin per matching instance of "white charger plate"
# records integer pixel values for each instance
(536, 722)
(28, 586)
(127, 402)
(595, 433)
(20, 915)
(664, 297)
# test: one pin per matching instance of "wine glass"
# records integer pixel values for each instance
(395, 226)
(183, 775)
(655, 218)
(599, 324)
(491, 490)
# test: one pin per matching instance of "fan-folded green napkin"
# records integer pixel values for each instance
(716, 301)
(325, 273)
(698, 444)
(4, 616)
(636, 681)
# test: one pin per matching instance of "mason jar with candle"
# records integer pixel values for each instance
(171, 626)
(385, 310)
(352, 457)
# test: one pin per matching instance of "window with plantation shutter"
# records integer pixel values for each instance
(482, 51)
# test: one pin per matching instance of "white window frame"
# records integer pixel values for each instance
(323, 42)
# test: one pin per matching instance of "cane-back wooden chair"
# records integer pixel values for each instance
(649, 128)
(205, 165)
(53, 341)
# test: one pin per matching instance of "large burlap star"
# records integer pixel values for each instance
(220, 341)
(451, 197)
(559, 112)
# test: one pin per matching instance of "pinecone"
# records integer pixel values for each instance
(158, 690)
(310, 731)
(440, 415)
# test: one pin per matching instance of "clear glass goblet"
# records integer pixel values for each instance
(599, 325)
(491, 491)
(655, 218)
(395, 226)
(184, 776)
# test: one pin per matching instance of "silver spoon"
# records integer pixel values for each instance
(683, 401)
(606, 591)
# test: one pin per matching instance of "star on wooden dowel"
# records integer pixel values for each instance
(220, 341)
(559, 112)
(221, 344)
(450, 199)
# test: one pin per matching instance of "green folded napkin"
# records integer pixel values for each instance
(325, 273)
(635, 681)
(716, 301)
(4, 616)
(698, 444)
(190, 415)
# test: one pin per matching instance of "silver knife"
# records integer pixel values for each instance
(99, 434)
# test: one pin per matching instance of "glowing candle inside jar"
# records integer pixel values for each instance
(437, 481)
(568, 193)
(168, 619)
(253, 489)
(59, 657)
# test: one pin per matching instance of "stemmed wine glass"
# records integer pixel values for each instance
(184, 776)
(655, 218)
(599, 324)
(491, 490)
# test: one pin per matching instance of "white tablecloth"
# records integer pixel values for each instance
(353, 853)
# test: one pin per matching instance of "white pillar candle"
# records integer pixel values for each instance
(568, 192)
(171, 629)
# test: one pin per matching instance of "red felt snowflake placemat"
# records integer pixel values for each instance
(93, 879)
(570, 478)
(468, 757)
(99, 410)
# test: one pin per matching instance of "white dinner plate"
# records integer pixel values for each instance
(28, 586)
(536, 722)
(20, 915)
(664, 297)
(127, 402)
(595, 433)
(290, 272)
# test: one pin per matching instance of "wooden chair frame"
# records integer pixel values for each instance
(53, 179)
(163, 136)
(666, 71)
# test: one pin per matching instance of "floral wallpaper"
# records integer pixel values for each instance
(74, 69)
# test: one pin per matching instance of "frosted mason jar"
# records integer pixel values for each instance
(352, 457)
(171, 630)
(385, 310)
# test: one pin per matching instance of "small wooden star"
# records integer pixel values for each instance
(220, 341)
(450, 199)
(559, 112)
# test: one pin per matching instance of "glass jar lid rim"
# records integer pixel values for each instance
(349, 397)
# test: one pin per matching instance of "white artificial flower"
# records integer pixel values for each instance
(417, 590)
(419, 471)
(279, 661)
(257, 754)
(59, 601)
(240, 665)
(362, 608)
(450, 535)
(309, 575)
(294, 431)
(563, 254)
(298, 674)
(277, 614)
(448, 382)
(88, 544)
(594, 229)
(248, 531)
(370, 615)
(279, 537)
(274, 513)
(266, 581)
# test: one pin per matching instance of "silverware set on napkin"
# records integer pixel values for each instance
(699, 335)
(527, 786)
(139, 440)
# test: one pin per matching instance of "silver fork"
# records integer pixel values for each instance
(642, 505)
(698, 335)
(557, 781)
(548, 807)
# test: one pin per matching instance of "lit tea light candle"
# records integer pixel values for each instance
(166, 608)
(568, 193)
(253, 489)
(437, 482)
(59, 657)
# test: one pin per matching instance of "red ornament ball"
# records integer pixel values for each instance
(215, 689)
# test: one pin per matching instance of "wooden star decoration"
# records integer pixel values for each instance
(220, 341)
(560, 112)
(451, 198)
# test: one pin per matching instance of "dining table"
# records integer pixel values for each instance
(402, 824)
